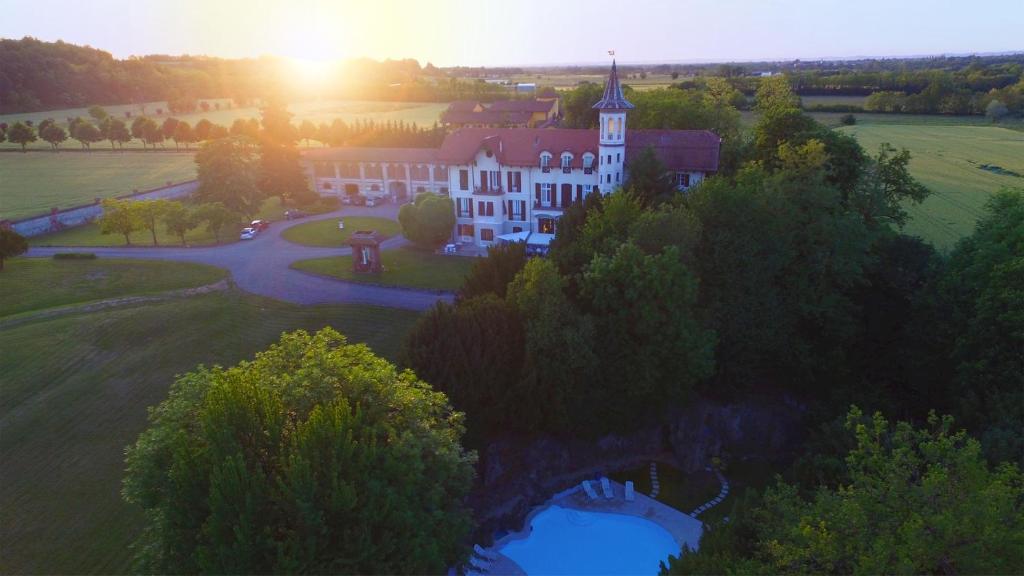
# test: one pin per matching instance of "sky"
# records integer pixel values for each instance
(525, 32)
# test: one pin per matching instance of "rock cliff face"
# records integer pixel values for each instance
(517, 474)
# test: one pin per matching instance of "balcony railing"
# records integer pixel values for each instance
(566, 169)
(489, 191)
(545, 169)
(546, 206)
(588, 170)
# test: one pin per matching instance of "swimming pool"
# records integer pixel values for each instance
(567, 541)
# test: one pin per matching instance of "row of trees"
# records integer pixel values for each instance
(125, 217)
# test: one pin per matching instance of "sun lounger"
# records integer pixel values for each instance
(589, 490)
(630, 496)
(607, 487)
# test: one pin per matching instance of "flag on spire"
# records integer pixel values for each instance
(611, 52)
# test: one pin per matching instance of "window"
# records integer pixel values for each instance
(566, 163)
(485, 208)
(515, 181)
(616, 177)
(618, 157)
(517, 210)
(327, 185)
(375, 187)
(465, 208)
(587, 189)
(465, 230)
(441, 173)
(588, 163)
(463, 179)
(420, 189)
(545, 160)
(683, 179)
(546, 225)
(487, 235)
(545, 194)
(609, 159)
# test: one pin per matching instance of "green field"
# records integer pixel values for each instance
(75, 392)
(832, 100)
(948, 160)
(33, 183)
(76, 281)
(406, 267)
(423, 114)
(326, 232)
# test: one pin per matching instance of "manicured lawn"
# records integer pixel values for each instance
(90, 235)
(36, 283)
(75, 392)
(35, 182)
(326, 232)
(406, 267)
(684, 492)
(948, 160)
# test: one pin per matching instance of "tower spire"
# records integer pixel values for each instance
(613, 98)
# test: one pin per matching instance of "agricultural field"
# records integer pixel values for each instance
(409, 267)
(32, 183)
(423, 114)
(76, 389)
(962, 165)
(809, 101)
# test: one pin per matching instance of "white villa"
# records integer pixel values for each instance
(513, 183)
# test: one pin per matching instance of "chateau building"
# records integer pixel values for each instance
(512, 184)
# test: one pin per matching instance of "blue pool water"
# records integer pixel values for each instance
(565, 541)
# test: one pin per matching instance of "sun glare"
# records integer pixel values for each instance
(312, 73)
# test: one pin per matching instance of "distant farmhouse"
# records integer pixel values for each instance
(512, 183)
(539, 113)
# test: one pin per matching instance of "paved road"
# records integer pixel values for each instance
(261, 265)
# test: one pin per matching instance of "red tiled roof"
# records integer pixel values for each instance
(518, 146)
(412, 155)
(462, 106)
(485, 117)
(677, 149)
(521, 105)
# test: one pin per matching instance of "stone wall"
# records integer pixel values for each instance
(84, 214)
(516, 475)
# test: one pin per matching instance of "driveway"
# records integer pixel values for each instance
(261, 265)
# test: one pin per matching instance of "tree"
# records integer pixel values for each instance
(183, 134)
(649, 180)
(578, 105)
(202, 130)
(119, 217)
(21, 133)
(98, 113)
(86, 134)
(995, 110)
(652, 349)
(491, 275)
(307, 131)
(917, 501)
(150, 212)
(116, 131)
(53, 134)
(167, 128)
(473, 352)
(280, 172)
(227, 174)
(217, 217)
(179, 219)
(147, 130)
(428, 221)
(315, 457)
(11, 244)
(886, 187)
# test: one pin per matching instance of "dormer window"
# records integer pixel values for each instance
(545, 162)
(588, 163)
(566, 162)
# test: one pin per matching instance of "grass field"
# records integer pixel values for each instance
(75, 281)
(33, 183)
(406, 267)
(326, 232)
(947, 159)
(422, 113)
(832, 100)
(75, 392)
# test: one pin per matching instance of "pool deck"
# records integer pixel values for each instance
(683, 527)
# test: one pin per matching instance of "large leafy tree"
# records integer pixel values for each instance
(150, 213)
(649, 180)
(11, 244)
(473, 352)
(317, 456)
(886, 187)
(120, 217)
(179, 219)
(651, 347)
(917, 501)
(217, 217)
(228, 174)
(116, 131)
(491, 275)
(428, 221)
(21, 133)
(53, 134)
(280, 172)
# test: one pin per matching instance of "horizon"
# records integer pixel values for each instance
(329, 32)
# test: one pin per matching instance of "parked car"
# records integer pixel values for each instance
(294, 214)
(247, 234)
(260, 225)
